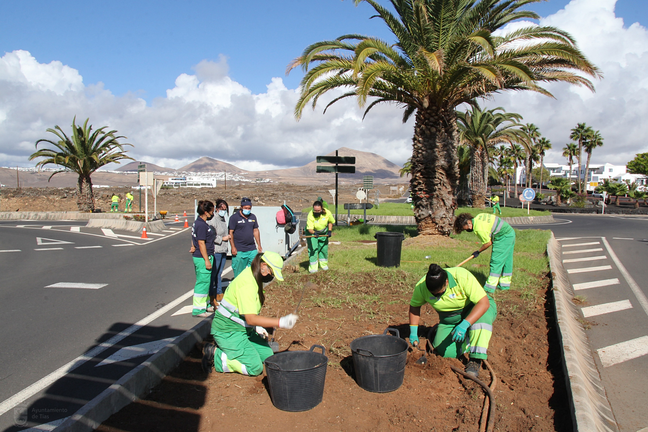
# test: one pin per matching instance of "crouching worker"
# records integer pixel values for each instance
(238, 329)
(466, 314)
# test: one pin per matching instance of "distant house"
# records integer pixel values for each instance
(596, 174)
(191, 181)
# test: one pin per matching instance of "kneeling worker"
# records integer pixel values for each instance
(466, 314)
(237, 328)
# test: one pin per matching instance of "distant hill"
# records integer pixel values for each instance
(207, 164)
(132, 167)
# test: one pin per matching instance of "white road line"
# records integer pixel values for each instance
(605, 308)
(124, 244)
(581, 244)
(595, 258)
(48, 380)
(167, 230)
(589, 269)
(641, 297)
(596, 284)
(622, 238)
(624, 351)
(582, 251)
(47, 227)
(154, 234)
(184, 310)
(128, 236)
(42, 241)
(75, 229)
(88, 247)
(48, 249)
(77, 285)
(174, 228)
(10, 250)
(569, 238)
(108, 232)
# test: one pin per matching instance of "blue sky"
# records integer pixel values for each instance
(116, 55)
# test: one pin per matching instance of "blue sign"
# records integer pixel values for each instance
(528, 194)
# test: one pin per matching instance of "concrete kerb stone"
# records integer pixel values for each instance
(71, 215)
(591, 409)
(127, 225)
(137, 383)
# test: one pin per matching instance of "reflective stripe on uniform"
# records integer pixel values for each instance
(224, 363)
(497, 226)
(482, 326)
(478, 350)
(228, 311)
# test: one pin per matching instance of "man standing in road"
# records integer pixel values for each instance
(244, 232)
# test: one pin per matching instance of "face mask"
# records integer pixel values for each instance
(247, 212)
(222, 213)
(267, 278)
(469, 229)
(317, 214)
(210, 217)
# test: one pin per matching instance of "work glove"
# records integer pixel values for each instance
(475, 254)
(262, 332)
(288, 321)
(414, 335)
(459, 332)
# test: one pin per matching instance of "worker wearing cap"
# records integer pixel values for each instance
(466, 314)
(245, 239)
(129, 202)
(114, 203)
(492, 230)
(240, 337)
(319, 225)
(496, 207)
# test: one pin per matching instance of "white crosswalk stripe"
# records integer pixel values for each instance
(589, 269)
(581, 244)
(596, 284)
(623, 351)
(573, 260)
(606, 308)
(582, 251)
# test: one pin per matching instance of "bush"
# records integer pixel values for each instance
(540, 196)
(580, 199)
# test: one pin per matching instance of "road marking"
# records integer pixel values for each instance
(581, 244)
(589, 269)
(77, 285)
(582, 251)
(155, 234)
(183, 310)
(167, 230)
(622, 238)
(88, 247)
(10, 250)
(124, 244)
(48, 380)
(174, 228)
(128, 236)
(623, 351)
(47, 227)
(596, 284)
(75, 229)
(42, 241)
(135, 351)
(48, 249)
(641, 297)
(595, 258)
(108, 232)
(569, 238)
(605, 308)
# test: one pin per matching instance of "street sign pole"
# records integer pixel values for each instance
(336, 187)
(336, 168)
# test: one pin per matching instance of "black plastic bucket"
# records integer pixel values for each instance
(379, 361)
(389, 248)
(296, 379)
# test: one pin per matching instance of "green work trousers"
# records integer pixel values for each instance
(243, 260)
(501, 263)
(201, 289)
(496, 208)
(318, 253)
(114, 207)
(478, 336)
(242, 352)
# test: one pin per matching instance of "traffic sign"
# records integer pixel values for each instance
(336, 159)
(528, 194)
(367, 182)
(345, 169)
(358, 206)
(141, 167)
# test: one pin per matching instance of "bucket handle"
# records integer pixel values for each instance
(396, 332)
(364, 352)
(272, 365)
(318, 346)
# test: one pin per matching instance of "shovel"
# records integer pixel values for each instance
(273, 343)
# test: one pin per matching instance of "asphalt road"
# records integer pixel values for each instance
(605, 257)
(123, 280)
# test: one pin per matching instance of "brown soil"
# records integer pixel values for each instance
(529, 395)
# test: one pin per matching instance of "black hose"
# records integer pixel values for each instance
(491, 398)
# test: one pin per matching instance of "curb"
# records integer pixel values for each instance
(591, 409)
(136, 383)
(58, 216)
(409, 220)
(127, 225)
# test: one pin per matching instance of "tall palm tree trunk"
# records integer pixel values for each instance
(85, 195)
(589, 156)
(541, 172)
(477, 178)
(580, 154)
(435, 172)
(528, 168)
(515, 168)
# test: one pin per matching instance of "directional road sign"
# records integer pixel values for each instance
(336, 159)
(345, 169)
(528, 194)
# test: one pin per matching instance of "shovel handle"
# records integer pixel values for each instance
(465, 261)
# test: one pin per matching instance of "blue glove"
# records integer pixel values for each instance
(475, 254)
(414, 335)
(459, 332)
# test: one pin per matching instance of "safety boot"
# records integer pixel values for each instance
(208, 357)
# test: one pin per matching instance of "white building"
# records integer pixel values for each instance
(596, 174)
(191, 181)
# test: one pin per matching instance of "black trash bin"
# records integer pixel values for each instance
(389, 248)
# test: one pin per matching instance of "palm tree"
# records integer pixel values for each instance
(407, 168)
(84, 153)
(532, 134)
(482, 130)
(570, 151)
(464, 159)
(517, 154)
(446, 54)
(579, 134)
(542, 146)
(593, 140)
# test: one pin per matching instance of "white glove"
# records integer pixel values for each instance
(288, 321)
(262, 332)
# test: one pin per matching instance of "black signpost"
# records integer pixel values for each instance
(342, 164)
(141, 168)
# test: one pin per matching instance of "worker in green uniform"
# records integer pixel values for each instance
(129, 202)
(492, 230)
(496, 207)
(114, 203)
(319, 224)
(466, 314)
(239, 331)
